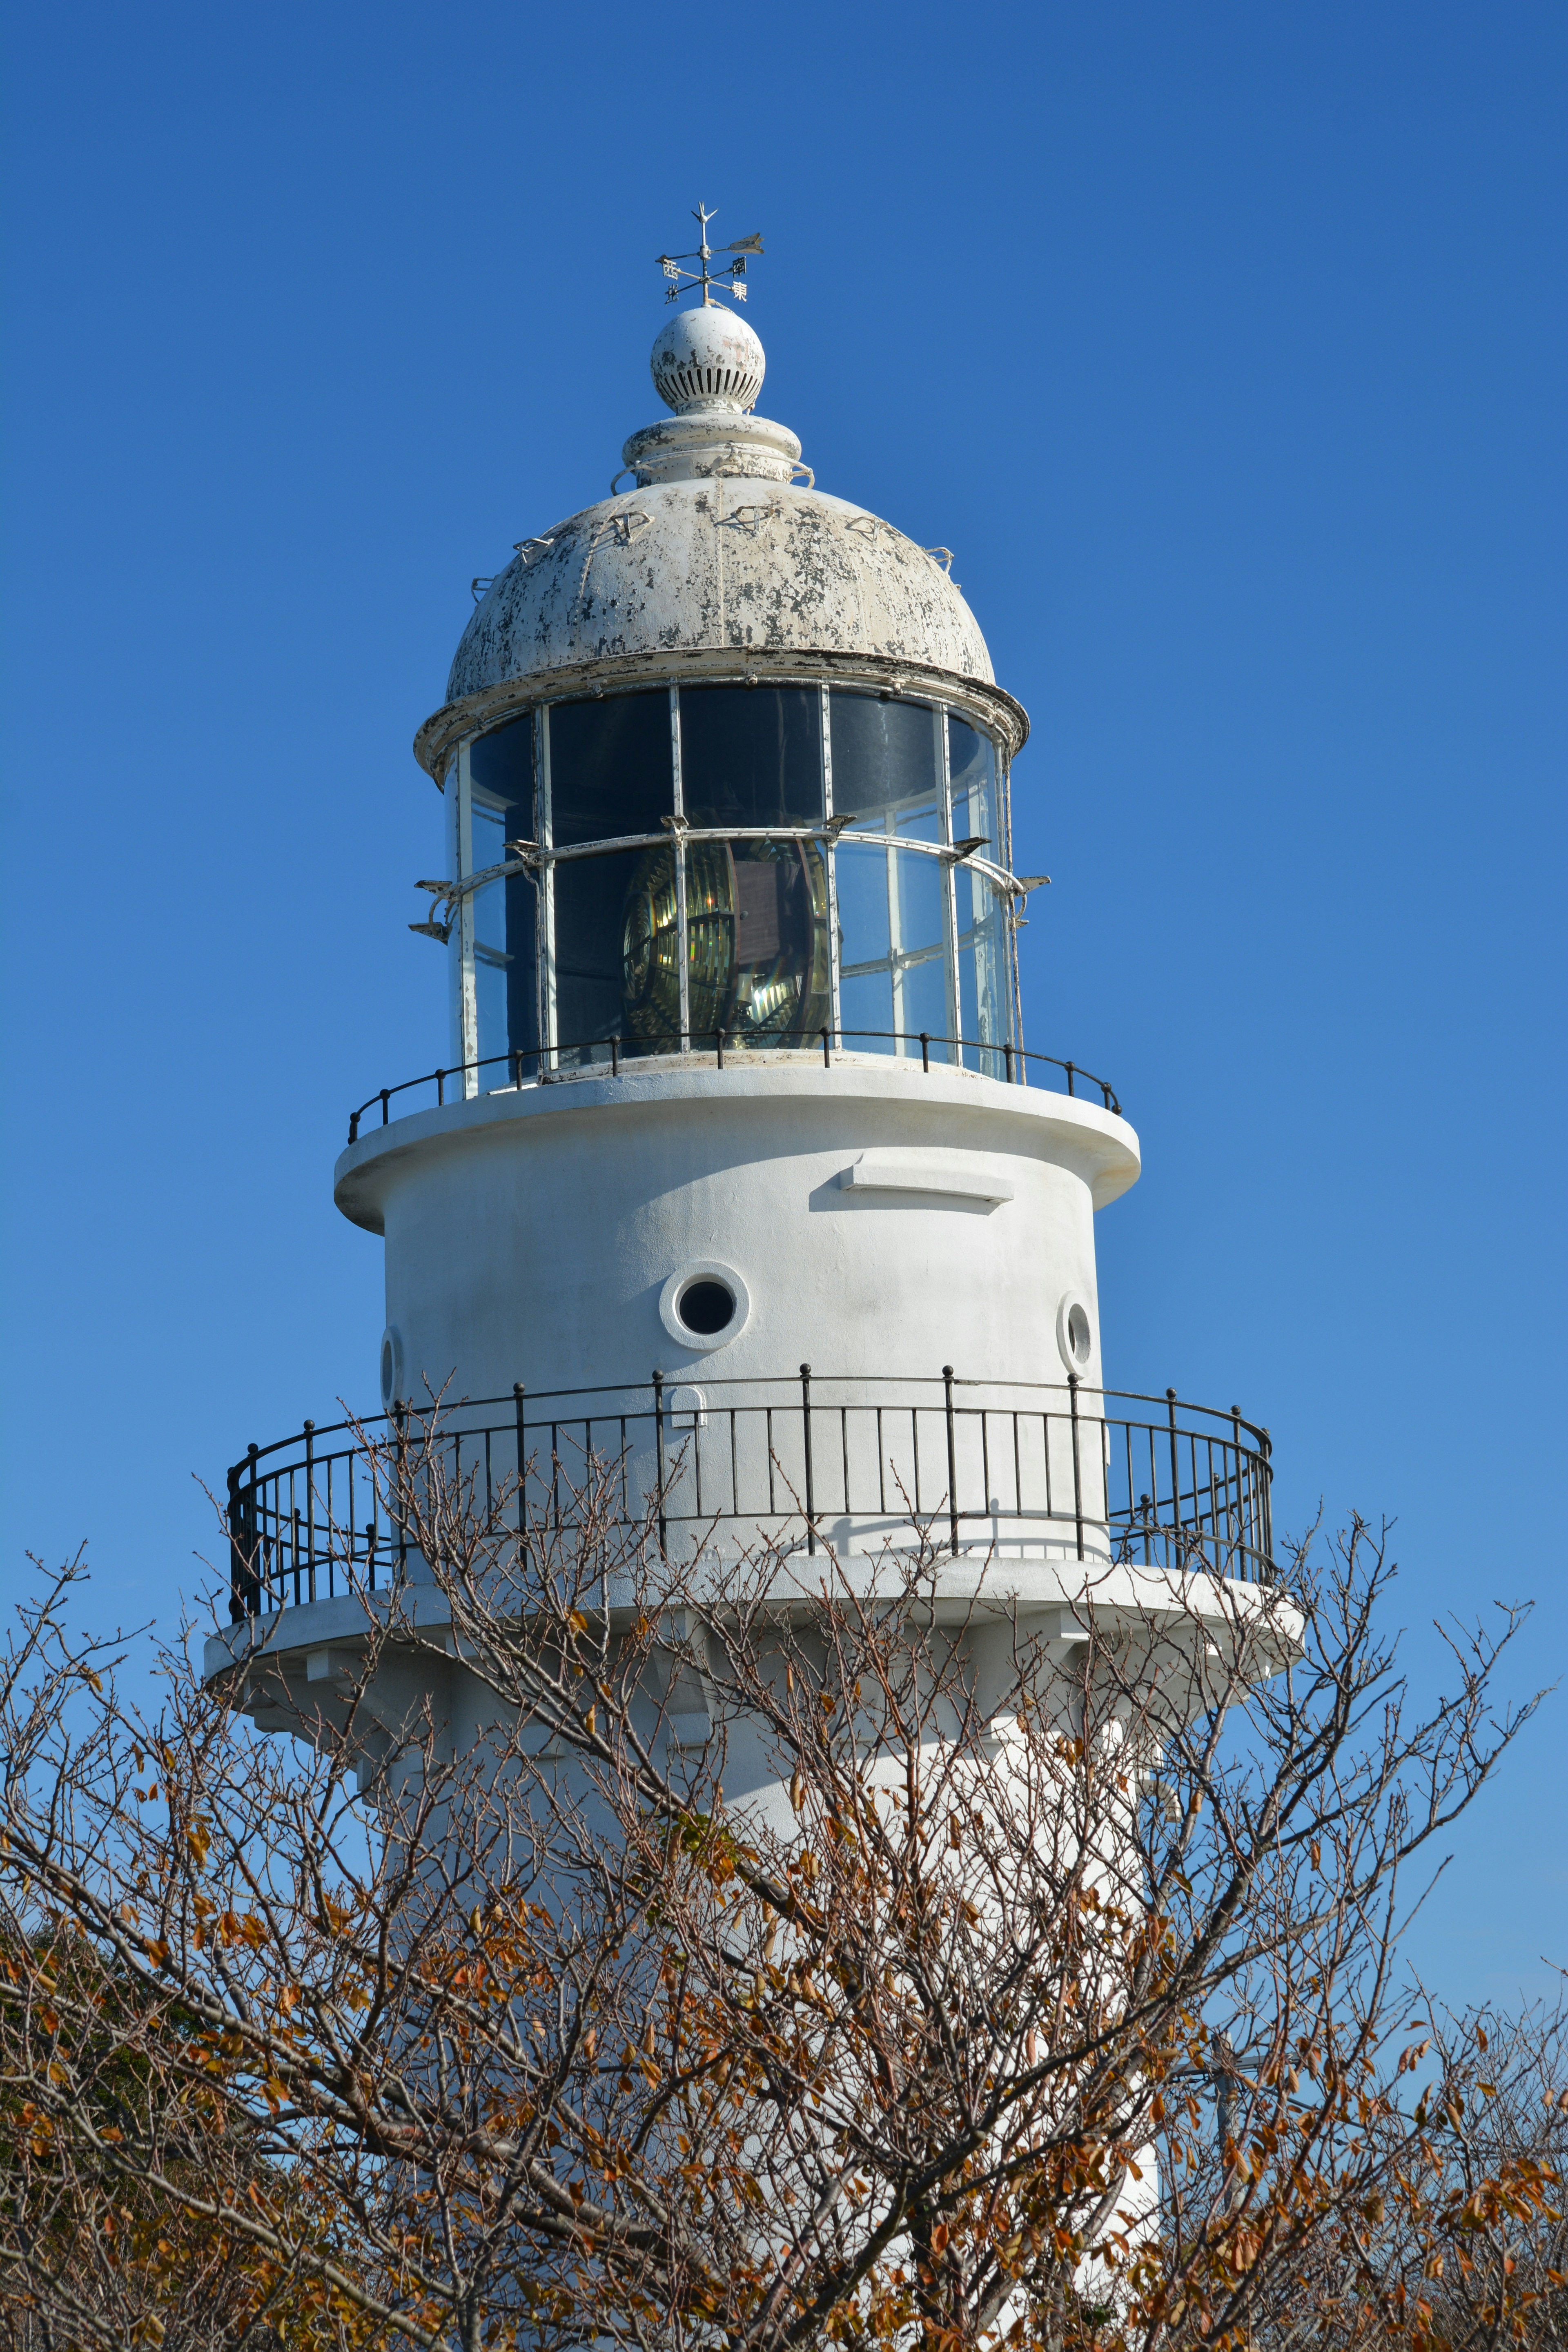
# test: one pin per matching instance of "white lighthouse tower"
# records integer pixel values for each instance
(739, 1172)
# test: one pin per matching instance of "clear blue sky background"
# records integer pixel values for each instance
(1224, 344)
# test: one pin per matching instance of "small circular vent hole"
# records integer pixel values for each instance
(1077, 1335)
(706, 1306)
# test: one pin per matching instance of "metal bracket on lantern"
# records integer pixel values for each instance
(623, 528)
(747, 519)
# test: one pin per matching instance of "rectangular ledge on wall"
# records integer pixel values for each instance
(924, 1171)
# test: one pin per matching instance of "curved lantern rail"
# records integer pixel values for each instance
(533, 1064)
(803, 1461)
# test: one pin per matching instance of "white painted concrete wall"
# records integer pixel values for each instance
(530, 1234)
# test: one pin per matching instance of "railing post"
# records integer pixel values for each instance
(810, 1472)
(386, 1099)
(658, 1454)
(238, 1577)
(1267, 1469)
(718, 1041)
(353, 1127)
(1241, 1543)
(311, 1509)
(1008, 1057)
(440, 1089)
(1068, 1068)
(257, 1549)
(615, 1057)
(1176, 1473)
(925, 1051)
(826, 1051)
(400, 1417)
(518, 1399)
(952, 1461)
(1077, 1466)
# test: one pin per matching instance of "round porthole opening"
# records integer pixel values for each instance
(707, 1305)
(391, 1367)
(1075, 1334)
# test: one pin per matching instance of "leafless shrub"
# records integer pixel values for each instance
(760, 1951)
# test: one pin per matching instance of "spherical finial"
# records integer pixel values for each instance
(707, 358)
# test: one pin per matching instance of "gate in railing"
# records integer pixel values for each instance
(801, 1464)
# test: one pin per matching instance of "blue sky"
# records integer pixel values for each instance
(1224, 344)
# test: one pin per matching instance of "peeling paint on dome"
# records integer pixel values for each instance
(717, 563)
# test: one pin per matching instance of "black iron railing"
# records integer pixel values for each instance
(804, 1462)
(539, 1064)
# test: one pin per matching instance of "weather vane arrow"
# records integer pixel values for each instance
(728, 278)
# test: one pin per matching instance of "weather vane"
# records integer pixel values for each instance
(729, 277)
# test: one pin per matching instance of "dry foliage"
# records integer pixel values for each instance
(759, 1953)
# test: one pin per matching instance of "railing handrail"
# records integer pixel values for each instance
(830, 1040)
(661, 1384)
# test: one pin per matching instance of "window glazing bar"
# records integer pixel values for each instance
(468, 985)
(895, 927)
(950, 893)
(683, 957)
(834, 940)
(1015, 913)
(542, 834)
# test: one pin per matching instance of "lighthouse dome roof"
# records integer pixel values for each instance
(714, 542)
(723, 560)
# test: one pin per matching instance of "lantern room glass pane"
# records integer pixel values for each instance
(491, 959)
(751, 755)
(756, 914)
(501, 765)
(505, 911)
(893, 945)
(920, 949)
(865, 949)
(985, 989)
(887, 764)
(972, 771)
(611, 767)
(617, 970)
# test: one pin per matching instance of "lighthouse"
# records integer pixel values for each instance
(740, 1174)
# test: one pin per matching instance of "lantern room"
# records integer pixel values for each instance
(763, 862)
